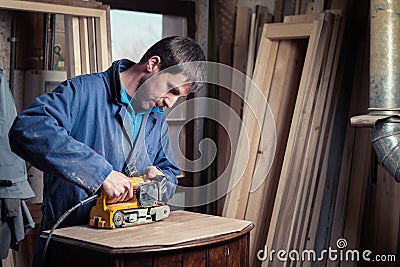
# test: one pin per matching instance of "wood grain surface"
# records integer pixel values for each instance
(179, 227)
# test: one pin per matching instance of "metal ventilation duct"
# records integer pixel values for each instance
(384, 111)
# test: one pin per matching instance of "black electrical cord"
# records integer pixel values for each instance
(62, 218)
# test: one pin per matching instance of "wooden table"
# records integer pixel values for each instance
(182, 239)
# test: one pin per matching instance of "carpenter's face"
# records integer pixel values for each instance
(161, 90)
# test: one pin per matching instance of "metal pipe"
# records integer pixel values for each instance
(385, 82)
(52, 40)
(45, 40)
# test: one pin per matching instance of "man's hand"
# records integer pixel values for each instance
(151, 172)
(117, 187)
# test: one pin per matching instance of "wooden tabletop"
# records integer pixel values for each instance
(181, 228)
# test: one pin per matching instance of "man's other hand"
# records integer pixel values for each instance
(117, 187)
(151, 172)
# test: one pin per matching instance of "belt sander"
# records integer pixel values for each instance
(146, 205)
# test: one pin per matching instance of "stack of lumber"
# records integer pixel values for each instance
(238, 51)
(88, 40)
(298, 199)
(296, 71)
(350, 181)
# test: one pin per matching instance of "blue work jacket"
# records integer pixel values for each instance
(80, 132)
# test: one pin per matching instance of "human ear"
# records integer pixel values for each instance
(153, 64)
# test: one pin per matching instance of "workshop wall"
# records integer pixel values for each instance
(5, 47)
(270, 5)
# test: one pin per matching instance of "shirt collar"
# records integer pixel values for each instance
(126, 98)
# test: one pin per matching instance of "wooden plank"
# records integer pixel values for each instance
(342, 196)
(52, 8)
(77, 3)
(283, 31)
(297, 8)
(106, 26)
(383, 224)
(356, 194)
(279, 4)
(241, 38)
(319, 150)
(238, 82)
(226, 11)
(325, 142)
(355, 167)
(239, 60)
(301, 18)
(9, 261)
(360, 168)
(103, 42)
(224, 95)
(84, 45)
(275, 99)
(251, 52)
(92, 45)
(281, 101)
(298, 224)
(73, 62)
(235, 202)
(262, 17)
(309, 151)
(319, 6)
(225, 44)
(77, 63)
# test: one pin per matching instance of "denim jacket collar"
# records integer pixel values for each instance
(115, 78)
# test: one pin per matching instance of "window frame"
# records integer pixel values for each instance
(172, 7)
(99, 12)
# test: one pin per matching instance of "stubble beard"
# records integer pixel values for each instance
(139, 103)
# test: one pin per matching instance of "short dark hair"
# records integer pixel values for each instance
(176, 50)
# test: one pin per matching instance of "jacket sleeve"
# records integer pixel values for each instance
(166, 162)
(41, 135)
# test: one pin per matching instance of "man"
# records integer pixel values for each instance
(85, 132)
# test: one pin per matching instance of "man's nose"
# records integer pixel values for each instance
(170, 101)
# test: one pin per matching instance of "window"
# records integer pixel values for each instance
(132, 33)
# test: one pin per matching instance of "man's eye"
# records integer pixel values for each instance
(174, 91)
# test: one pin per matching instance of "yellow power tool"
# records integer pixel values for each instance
(146, 205)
